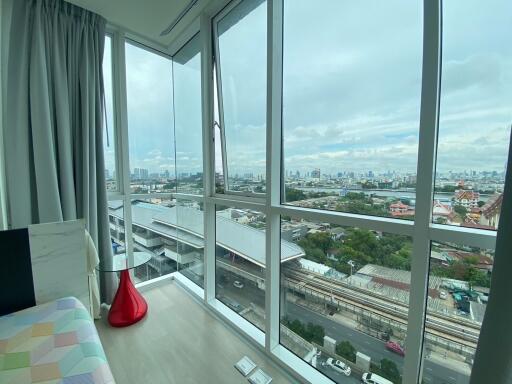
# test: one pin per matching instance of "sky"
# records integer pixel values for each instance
(351, 90)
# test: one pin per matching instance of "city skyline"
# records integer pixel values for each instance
(376, 128)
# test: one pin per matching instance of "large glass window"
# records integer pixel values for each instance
(150, 121)
(109, 140)
(459, 282)
(189, 247)
(351, 103)
(187, 117)
(154, 227)
(475, 113)
(345, 296)
(241, 62)
(240, 262)
(117, 226)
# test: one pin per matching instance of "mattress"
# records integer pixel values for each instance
(52, 343)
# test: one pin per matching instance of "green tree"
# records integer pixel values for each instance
(311, 332)
(293, 194)
(389, 370)
(460, 210)
(346, 349)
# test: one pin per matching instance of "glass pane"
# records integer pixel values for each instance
(459, 282)
(108, 131)
(152, 232)
(150, 121)
(116, 224)
(187, 117)
(351, 104)
(242, 63)
(240, 262)
(475, 113)
(189, 248)
(345, 297)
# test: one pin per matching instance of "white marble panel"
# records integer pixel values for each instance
(59, 264)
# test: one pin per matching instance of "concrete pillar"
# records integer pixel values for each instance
(363, 361)
(330, 345)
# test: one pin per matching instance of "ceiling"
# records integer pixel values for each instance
(145, 17)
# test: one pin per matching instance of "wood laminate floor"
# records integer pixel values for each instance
(179, 342)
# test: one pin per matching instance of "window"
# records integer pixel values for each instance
(475, 113)
(459, 282)
(187, 117)
(150, 121)
(153, 229)
(117, 226)
(351, 103)
(241, 62)
(361, 263)
(344, 290)
(189, 247)
(108, 133)
(240, 262)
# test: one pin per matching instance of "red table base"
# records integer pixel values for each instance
(128, 306)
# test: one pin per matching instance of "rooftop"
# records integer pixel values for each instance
(186, 224)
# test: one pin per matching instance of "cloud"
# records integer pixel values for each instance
(352, 90)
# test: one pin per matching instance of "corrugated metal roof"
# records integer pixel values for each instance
(187, 225)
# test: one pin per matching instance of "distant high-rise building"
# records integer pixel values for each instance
(140, 173)
(107, 174)
(315, 174)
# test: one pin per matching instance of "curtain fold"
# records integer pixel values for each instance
(53, 136)
(493, 359)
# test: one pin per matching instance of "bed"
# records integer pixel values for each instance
(52, 343)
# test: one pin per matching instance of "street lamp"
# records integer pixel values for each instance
(352, 265)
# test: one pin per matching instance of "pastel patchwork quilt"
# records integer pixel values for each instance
(53, 343)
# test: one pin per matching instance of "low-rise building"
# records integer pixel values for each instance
(466, 198)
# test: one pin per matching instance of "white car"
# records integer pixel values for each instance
(372, 378)
(238, 284)
(339, 366)
(442, 295)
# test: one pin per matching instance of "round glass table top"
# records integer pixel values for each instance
(121, 262)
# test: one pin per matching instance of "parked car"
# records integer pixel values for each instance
(395, 347)
(238, 284)
(234, 305)
(339, 366)
(443, 295)
(372, 378)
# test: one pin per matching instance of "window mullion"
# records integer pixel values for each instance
(425, 187)
(273, 177)
(220, 103)
(121, 119)
(208, 156)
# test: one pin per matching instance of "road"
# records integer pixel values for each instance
(433, 373)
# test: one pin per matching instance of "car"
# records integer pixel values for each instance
(234, 305)
(339, 366)
(238, 284)
(443, 295)
(372, 378)
(395, 347)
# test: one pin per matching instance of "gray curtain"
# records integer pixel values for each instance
(493, 360)
(53, 132)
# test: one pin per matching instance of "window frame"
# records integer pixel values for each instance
(120, 38)
(422, 230)
(220, 103)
